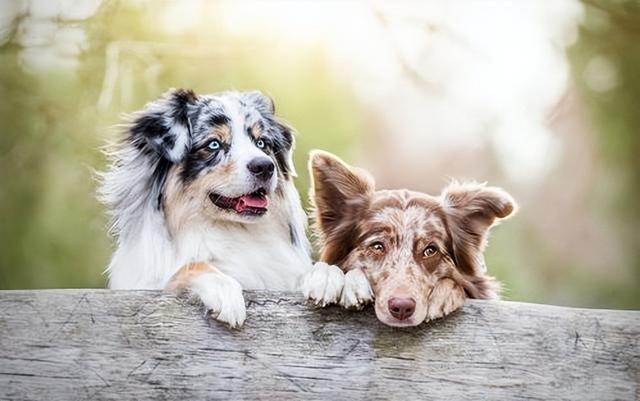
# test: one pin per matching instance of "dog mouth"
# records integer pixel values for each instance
(394, 316)
(393, 322)
(253, 204)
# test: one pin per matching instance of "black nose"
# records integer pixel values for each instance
(261, 167)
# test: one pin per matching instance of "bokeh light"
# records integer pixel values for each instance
(538, 97)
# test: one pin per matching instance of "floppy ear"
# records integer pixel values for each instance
(340, 194)
(471, 211)
(164, 125)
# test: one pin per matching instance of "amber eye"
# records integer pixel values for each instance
(378, 247)
(430, 250)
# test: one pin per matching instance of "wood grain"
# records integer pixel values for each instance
(148, 345)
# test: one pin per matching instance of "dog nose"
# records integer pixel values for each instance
(402, 308)
(261, 167)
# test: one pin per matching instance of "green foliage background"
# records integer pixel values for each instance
(53, 233)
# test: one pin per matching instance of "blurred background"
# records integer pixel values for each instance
(539, 97)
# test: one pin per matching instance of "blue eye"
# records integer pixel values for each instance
(214, 145)
(261, 144)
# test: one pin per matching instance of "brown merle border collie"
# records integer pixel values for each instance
(418, 256)
(202, 197)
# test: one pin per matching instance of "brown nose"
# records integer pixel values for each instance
(402, 308)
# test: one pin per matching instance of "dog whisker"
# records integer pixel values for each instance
(187, 191)
(423, 254)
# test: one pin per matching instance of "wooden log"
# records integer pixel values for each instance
(148, 345)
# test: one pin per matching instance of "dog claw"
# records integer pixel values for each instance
(323, 284)
(357, 292)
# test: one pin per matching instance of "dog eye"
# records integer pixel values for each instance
(377, 247)
(430, 250)
(214, 145)
(261, 144)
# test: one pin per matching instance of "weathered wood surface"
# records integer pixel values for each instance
(148, 345)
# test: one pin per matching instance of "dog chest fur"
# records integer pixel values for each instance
(161, 188)
(259, 256)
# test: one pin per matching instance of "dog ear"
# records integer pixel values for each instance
(471, 210)
(164, 125)
(263, 103)
(340, 194)
(283, 152)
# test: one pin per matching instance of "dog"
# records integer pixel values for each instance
(202, 198)
(417, 257)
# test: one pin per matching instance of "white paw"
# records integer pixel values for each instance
(222, 297)
(323, 284)
(357, 291)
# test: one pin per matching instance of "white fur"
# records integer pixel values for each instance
(243, 151)
(251, 255)
(323, 284)
(357, 291)
(181, 134)
(258, 255)
(222, 297)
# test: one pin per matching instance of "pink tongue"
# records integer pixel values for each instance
(247, 201)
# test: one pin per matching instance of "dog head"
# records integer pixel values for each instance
(405, 242)
(218, 156)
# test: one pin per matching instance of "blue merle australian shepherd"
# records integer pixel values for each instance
(202, 198)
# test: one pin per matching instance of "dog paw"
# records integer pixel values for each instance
(222, 298)
(446, 297)
(357, 291)
(323, 284)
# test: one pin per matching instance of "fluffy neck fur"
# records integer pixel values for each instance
(271, 253)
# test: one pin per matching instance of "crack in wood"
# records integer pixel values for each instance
(150, 345)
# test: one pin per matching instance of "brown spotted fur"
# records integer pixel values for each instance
(350, 216)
